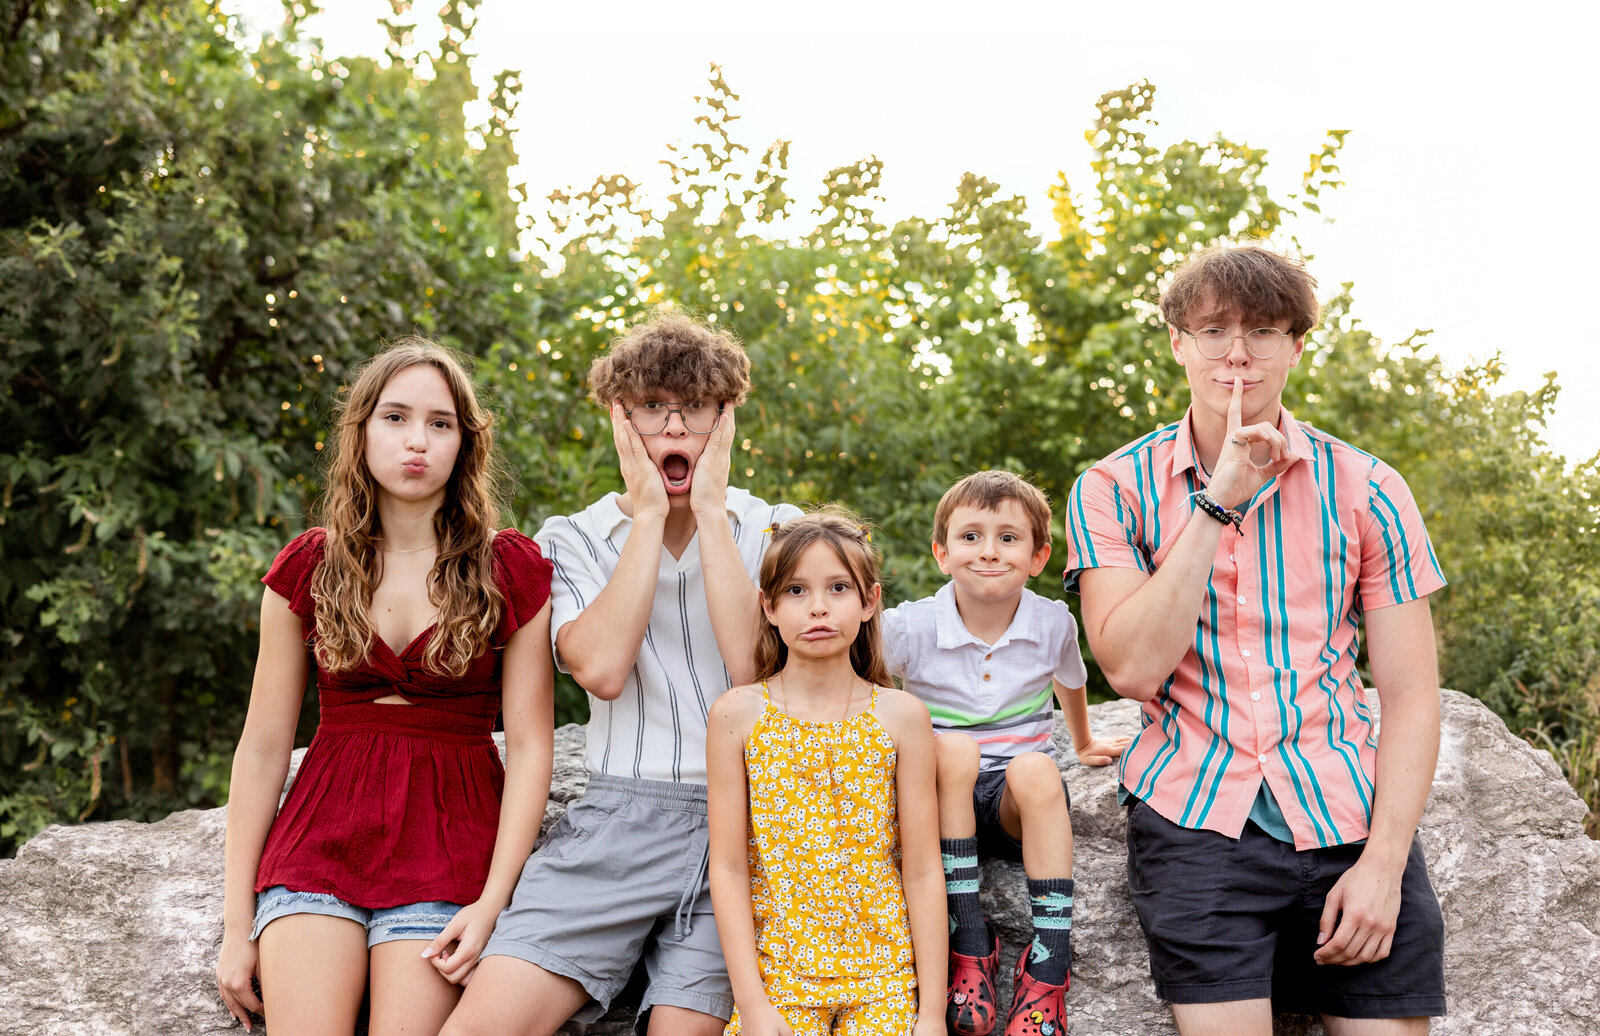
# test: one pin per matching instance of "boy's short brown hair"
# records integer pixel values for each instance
(674, 355)
(987, 490)
(1264, 286)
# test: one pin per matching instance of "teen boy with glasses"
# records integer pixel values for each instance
(654, 613)
(1226, 564)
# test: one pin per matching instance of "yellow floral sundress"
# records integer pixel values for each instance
(824, 852)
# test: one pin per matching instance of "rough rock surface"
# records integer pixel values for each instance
(114, 927)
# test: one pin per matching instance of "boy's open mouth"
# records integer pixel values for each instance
(675, 469)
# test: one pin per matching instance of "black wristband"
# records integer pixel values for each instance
(1203, 500)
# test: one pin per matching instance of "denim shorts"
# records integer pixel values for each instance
(385, 924)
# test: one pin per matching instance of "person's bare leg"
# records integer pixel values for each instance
(1033, 810)
(1236, 1018)
(508, 994)
(956, 758)
(680, 1021)
(313, 974)
(1374, 1026)
(409, 995)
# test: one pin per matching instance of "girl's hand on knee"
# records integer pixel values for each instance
(469, 930)
(764, 1020)
(239, 962)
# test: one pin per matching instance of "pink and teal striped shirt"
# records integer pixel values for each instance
(1269, 691)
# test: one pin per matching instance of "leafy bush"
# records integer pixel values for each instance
(199, 236)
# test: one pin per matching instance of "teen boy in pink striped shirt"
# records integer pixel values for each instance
(1226, 564)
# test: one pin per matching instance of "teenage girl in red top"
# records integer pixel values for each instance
(393, 852)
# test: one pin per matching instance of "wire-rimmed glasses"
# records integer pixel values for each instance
(697, 416)
(1214, 342)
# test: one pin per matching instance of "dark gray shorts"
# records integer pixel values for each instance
(622, 879)
(993, 841)
(1237, 920)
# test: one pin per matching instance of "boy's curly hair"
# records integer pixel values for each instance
(674, 355)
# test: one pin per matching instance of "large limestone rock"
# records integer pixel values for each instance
(113, 928)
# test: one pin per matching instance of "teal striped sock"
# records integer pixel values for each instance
(1051, 956)
(967, 934)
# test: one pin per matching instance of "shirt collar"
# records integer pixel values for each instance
(951, 632)
(608, 513)
(1184, 457)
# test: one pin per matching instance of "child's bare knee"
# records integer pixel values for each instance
(1033, 777)
(957, 757)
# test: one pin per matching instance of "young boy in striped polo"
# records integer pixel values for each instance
(989, 657)
(1226, 563)
(654, 613)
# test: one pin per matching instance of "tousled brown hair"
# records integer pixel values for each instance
(672, 354)
(987, 490)
(850, 539)
(1261, 284)
(462, 582)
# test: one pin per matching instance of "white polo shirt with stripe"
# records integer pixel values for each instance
(998, 693)
(656, 728)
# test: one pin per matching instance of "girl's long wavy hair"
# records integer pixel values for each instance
(462, 583)
(850, 538)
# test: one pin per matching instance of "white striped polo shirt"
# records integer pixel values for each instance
(998, 693)
(656, 728)
(1269, 691)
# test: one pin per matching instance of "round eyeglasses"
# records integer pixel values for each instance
(697, 417)
(1214, 342)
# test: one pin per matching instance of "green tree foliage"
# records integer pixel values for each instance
(196, 239)
(199, 235)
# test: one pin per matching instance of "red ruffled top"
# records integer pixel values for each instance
(398, 804)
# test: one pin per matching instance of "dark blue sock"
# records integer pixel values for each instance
(967, 932)
(1051, 956)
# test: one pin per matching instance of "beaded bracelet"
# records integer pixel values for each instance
(1217, 511)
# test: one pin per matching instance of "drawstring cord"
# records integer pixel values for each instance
(683, 920)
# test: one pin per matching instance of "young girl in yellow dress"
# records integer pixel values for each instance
(825, 869)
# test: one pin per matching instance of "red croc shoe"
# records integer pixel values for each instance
(969, 1007)
(1036, 1009)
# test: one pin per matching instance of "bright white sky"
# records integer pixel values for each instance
(1469, 200)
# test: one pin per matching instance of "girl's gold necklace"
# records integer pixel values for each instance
(408, 550)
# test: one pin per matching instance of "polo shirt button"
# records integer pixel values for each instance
(988, 656)
(986, 676)
(1261, 758)
(1245, 652)
(1255, 695)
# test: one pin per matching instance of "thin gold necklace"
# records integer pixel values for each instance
(408, 550)
(847, 698)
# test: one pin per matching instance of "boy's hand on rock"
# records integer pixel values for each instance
(708, 490)
(647, 493)
(1101, 751)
